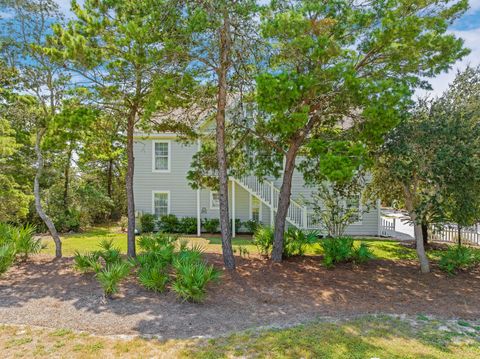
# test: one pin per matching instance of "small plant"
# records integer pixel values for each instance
(242, 251)
(337, 250)
(188, 225)
(457, 258)
(169, 224)
(25, 243)
(211, 225)
(296, 241)
(263, 239)
(86, 263)
(251, 226)
(147, 222)
(7, 256)
(110, 276)
(192, 277)
(153, 277)
(238, 224)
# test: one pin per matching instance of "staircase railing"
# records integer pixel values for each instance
(270, 195)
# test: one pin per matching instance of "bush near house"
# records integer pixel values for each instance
(147, 222)
(211, 225)
(342, 249)
(188, 225)
(169, 224)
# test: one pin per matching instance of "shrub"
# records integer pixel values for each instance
(157, 248)
(458, 258)
(153, 277)
(263, 239)
(110, 276)
(362, 254)
(123, 223)
(297, 240)
(7, 256)
(251, 226)
(25, 244)
(242, 251)
(169, 224)
(68, 221)
(188, 225)
(211, 225)
(86, 263)
(238, 224)
(192, 277)
(341, 249)
(147, 222)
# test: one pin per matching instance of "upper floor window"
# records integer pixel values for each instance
(161, 156)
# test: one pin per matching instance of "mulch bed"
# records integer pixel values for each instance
(48, 292)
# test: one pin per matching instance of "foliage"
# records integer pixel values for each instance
(147, 222)
(123, 223)
(251, 225)
(68, 220)
(242, 251)
(153, 277)
(341, 249)
(337, 205)
(211, 225)
(107, 264)
(296, 241)
(263, 239)
(111, 275)
(188, 225)
(25, 243)
(458, 258)
(7, 256)
(192, 276)
(169, 223)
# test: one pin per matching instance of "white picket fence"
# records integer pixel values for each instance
(387, 227)
(450, 234)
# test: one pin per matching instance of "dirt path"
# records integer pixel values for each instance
(49, 293)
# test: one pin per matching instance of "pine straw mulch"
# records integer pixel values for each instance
(48, 292)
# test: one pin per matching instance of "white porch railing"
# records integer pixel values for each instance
(387, 227)
(269, 194)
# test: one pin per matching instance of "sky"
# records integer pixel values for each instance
(467, 27)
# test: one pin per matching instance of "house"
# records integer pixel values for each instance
(161, 187)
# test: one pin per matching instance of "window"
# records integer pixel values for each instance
(214, 200)
(255, 209)
(161, 203)
(161, 156)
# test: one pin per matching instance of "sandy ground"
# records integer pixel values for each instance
(47, 292)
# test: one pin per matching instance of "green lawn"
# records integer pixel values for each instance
(89, 240)
(365, 337)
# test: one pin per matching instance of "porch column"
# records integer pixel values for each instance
(199, 217)
(272, 202)
(233, 209)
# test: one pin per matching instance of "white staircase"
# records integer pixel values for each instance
(267, 193)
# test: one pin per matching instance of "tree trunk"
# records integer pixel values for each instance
(66, 174)
(131, 250)
(109, 177)
(417, 228)
(227, 250)
(36, 191)
(284, 203)
(425, 234)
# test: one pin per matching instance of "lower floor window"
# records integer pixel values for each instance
(255, 209)
(161, 203)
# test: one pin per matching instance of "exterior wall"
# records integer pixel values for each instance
(183, 199)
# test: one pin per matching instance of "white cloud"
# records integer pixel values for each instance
(472, 41)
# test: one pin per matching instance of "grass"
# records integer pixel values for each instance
(89, 240)
(364, 337)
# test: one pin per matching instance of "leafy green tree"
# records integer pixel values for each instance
(46, 82)
(343, 65)
(123, 50)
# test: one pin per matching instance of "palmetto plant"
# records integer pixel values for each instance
(110, 276)
(192, 277)
(25, 243)
(7, 256)
(153, 277)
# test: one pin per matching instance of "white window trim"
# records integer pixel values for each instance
(251, 208)
(169, 156)
(153, 201)
(211, 200)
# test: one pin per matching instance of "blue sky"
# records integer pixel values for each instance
(467, 27)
